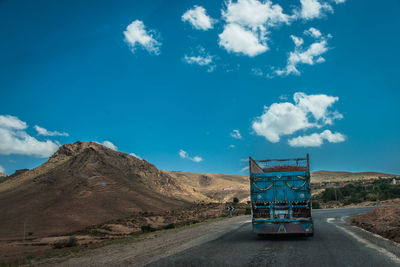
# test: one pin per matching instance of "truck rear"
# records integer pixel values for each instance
(280, 196)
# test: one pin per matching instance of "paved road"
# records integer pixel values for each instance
(334, 244)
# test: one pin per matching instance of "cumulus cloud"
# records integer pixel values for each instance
(316, 139)
(254, 14)
(232, 146)
(307, 111)
(198, 18)
(183, 154)
(134, 155)
(44, 132)
(311, 9)
(14, 140)
(247, 24)
(309, 56)
(236, 134)
(137, 35)
(339, 1)
(237, 39)
(109, 145)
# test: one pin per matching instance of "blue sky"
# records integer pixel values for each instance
(171, 80)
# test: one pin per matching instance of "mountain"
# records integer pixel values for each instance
(85, 184)
(2, 174)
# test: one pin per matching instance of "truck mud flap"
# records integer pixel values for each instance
(283, 228)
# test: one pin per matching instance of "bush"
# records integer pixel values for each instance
(235, 200)
(169, 226)
(316, 205)
(66, 243)
(147, 228)
(248, 211)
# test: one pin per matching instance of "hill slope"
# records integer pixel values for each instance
(338, 176)
(220, 187)
(85, 184)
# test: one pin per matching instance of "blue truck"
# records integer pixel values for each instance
(280, 196)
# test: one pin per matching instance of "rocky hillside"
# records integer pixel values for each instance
(219, 187)
(85, 184)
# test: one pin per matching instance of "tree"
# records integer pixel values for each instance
(235, 200)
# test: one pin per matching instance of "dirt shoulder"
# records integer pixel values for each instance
(21, 251)
(384, 221)
(156, 246)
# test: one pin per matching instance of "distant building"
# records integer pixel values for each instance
(394, 181)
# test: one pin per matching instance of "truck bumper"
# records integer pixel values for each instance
(283, 228)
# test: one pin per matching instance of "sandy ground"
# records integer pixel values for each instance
(384, 221)
(156, 247)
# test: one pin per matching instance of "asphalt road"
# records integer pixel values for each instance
(333, 244)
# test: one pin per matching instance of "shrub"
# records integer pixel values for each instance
(235, 200)
(169, 226)
(66, 243)
(248, 211)
(147, 228)
(316, 205)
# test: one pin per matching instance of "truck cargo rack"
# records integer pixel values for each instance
(279, 165)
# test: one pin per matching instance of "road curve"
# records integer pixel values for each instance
(334, 244)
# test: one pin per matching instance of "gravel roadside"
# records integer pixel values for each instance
(150, 250)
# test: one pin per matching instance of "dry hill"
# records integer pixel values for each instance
(220, 187)
(85, 184)
(337, 176)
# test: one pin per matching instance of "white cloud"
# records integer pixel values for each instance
(283, 97)
(197, 16)
(236, 134)
(134, 155)
(313, 32)
(14, 140)
(2, 170)
(197, 159)
(201, 58)
(183, 154)
(309, 56)
(109, 145)
(316, 139)
(236, 39)
(244, 169)
(311, 9)
(232, 146)
(340, 1)
(254, 14)
(318, 106)
(308, 111)
(137, 35)
(43, 131)
(12, 122)
(280, 119)
(298, 41)
(247, 24)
